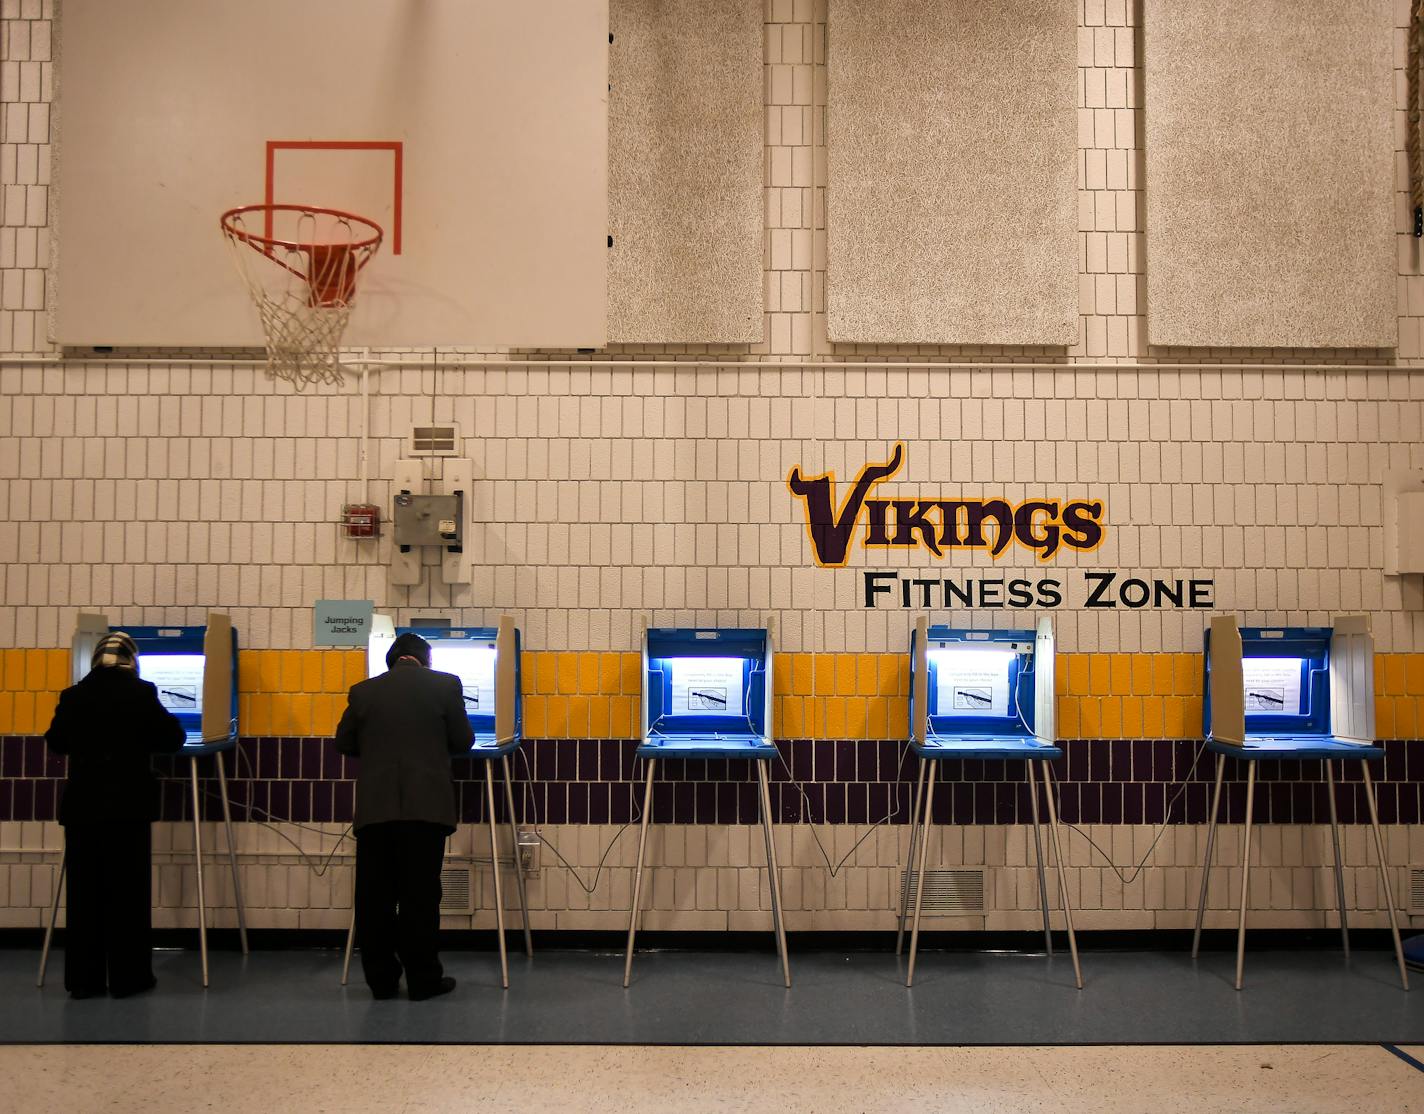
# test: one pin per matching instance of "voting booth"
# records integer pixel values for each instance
(1276, 693)
(707, 694)
(194, 670)
(981, 694)
(487, 662)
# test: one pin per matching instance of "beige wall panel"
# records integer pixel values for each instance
(685, 182)
(1270, 173)
(951, 204)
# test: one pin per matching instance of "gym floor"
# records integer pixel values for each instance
(716, 1030)
(347, 1078)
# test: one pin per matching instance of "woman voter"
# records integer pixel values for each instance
(108, 725)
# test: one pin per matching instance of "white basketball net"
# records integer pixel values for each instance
(301, 270)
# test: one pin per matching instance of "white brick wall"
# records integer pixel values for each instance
(714, 878)
(611, 496)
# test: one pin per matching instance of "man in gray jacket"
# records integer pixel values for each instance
(404, 726)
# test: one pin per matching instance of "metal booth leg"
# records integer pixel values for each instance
(53, 916)
(494, 864)
(1038, 858)
(1062, 876)
(910, 857)
(1206, 863)
(778, 922)
(1339, 865)
(1245, 873)
(514, 851)
(638, 873)
(198, 862)
(350, 937)
(232, 854)
(1384, 875)
(920, 874)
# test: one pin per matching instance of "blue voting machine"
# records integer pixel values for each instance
(193, 668)
(982, 693)
(707, 694)
(488, 662)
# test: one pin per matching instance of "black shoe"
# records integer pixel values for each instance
(88, 992)
(129, 991)
(382, 993)
(444, 986)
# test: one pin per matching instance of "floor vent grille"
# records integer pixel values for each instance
(1416, 890)
(948, 892)
(457, 893)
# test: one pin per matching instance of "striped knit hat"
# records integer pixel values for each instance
(115, 649)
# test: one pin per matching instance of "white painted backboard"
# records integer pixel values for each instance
(167, 107)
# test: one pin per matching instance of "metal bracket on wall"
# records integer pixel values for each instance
(1402, 508)
(409, 479)
(458, 479)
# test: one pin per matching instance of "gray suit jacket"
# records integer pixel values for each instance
(404, 726)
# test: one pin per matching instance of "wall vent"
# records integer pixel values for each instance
(948, 893)
(433, 440)
(457, 893)
(1416, 890)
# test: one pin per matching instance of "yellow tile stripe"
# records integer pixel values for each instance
(583, 695)
(30, 683)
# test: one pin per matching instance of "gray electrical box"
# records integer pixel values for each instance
(429, 520)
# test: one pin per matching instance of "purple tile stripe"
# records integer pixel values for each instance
(599, 781)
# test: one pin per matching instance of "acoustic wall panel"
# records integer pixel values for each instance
(951, 203)
(685, 179)
(1270, 173)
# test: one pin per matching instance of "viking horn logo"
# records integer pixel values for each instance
(831, 529)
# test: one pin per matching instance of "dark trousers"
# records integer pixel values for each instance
(107, 941)
(398, 903)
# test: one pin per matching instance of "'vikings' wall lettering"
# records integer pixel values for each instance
(940, 525)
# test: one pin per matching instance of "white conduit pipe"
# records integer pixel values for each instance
(887, 363)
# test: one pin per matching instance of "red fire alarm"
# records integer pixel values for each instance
(360, 520)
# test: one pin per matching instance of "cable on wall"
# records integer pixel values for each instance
(527, 783)
(1128, 879)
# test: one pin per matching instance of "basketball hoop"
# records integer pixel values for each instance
(301, 267)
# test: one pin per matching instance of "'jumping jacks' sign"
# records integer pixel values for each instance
(1046, 527)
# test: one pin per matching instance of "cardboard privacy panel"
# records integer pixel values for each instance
(218, 720)
(1228, 687)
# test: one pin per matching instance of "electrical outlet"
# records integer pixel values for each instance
(528, 845)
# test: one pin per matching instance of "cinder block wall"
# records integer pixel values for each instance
(611, 497)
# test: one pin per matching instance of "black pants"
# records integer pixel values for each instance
(107, 942)
(398, 903)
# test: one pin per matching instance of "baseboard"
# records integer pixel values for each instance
(1161, 940)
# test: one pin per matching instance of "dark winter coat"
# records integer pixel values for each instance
(404, 726)
(108, 725)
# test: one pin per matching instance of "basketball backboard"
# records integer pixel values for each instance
(473, 131)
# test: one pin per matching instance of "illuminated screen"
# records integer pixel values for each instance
(376, 650)
(706, 686)
(971, 681)
(178, 677)
(474, 665)
(1272, 686)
